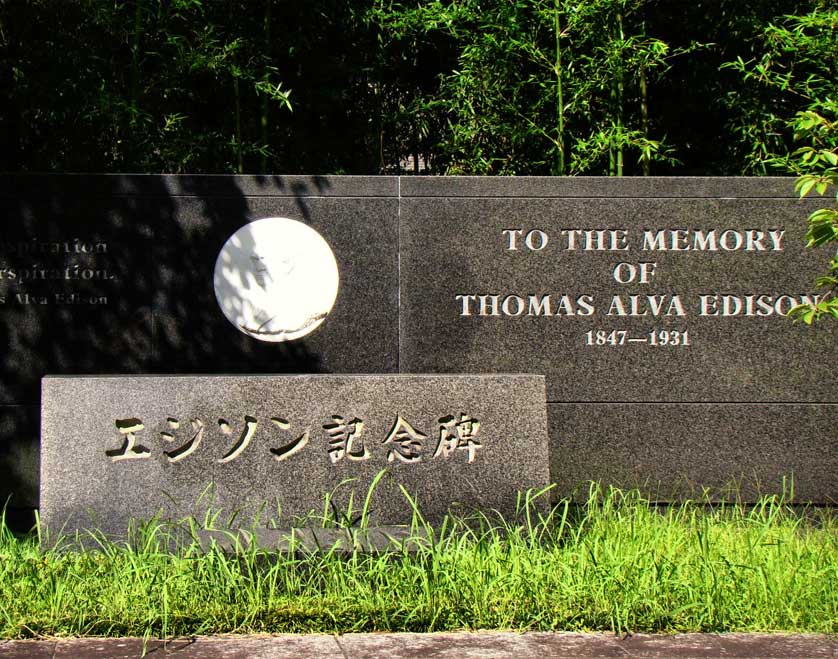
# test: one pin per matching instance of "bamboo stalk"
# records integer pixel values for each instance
(644, 120)
(237, 95)
(560, 170)
(620, 89)
(263, 165)
(644, 111)
(135, 77)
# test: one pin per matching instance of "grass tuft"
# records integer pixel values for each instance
(616, 562)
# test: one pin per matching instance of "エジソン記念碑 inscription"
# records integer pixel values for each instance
(345, 439)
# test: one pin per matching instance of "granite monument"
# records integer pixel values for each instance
(267, 449)
(656, 308)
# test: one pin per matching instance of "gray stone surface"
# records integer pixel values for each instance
(672, 450)
(309, 539)
(155, 309)
(459, 645)
(29, 649)
(285, 646)
(359, 336)
(767, 646)
(563, 645)
(155, 305)
(125, 648)
(243, 423)
(65, 310)
(744, 405)
(405, 247)
(204, 185)
(300, 541)
(653, 187)
(454, 247)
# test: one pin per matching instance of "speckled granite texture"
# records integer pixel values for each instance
(749, 400)
(456, 247)
(119, 447)
(742, 405)
(149, 306)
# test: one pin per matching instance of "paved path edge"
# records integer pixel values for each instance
(442, 645)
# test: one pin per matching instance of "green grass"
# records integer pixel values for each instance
(615, 563)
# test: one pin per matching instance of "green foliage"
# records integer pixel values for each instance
(143, 85)
(539, 86)
(613, 562)
(799, 69)
(472, 86)
(819, 159)
(796, 68)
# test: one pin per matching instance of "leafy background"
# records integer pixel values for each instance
(539, 87)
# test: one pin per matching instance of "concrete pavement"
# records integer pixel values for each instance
(459, 645)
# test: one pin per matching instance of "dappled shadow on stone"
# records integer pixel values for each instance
(114, 275)
(191, 335)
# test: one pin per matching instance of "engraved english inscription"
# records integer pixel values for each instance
(68, 272)
(631, 276)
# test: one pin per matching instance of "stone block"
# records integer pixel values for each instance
(75, 290)
(591, 293)
(359, 336)
(271, 447)
(108, 274)
(670, 300)
(593, 187)
(675, 450)
(656, 310)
